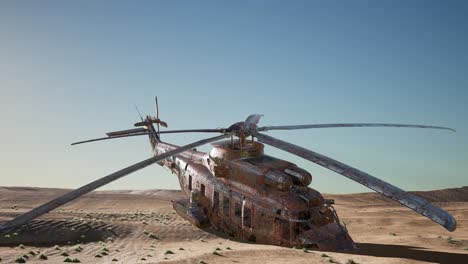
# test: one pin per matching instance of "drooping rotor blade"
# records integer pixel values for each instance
(409, 200)
(151, 133)
(51, 205)
(266, 128)
(126, 132)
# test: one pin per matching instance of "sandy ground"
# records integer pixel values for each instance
(141, 227)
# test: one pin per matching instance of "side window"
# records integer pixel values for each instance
(202, 189)
(247, 221)
(237, 210)
(226, 206)
(190, 182)
(216, 201)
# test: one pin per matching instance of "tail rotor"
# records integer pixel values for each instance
(152, 119)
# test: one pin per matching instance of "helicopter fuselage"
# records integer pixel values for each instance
(253, 197)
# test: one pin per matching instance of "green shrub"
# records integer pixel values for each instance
(169, 252)
(451, 240)
(75, 260)
(43, 257)
(20, 260)
(153, 236)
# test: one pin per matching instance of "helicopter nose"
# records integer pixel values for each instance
(330, 237)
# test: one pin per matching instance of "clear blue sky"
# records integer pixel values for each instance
(73, 70)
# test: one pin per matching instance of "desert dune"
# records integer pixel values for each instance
(141, 227)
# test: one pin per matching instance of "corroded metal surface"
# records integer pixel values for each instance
(254, 197)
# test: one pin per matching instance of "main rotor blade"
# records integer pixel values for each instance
(49, 206)
(409, 200)
(152, 133)
(266, 128)
(126, 132)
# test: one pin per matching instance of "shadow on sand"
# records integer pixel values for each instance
(408, 252)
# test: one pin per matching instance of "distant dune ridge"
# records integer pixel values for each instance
(140, 226)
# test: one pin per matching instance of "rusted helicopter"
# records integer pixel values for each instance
(248, 195)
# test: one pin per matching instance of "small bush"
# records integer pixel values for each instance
(228, 248)
(153, 236)
(451, 240)
(202, 262)
(115, 259)
(21, 246)
(104, 253)
(65, 254)
(331, 261)
(305, 250)
(43, 257)
(98, 255)
(143, 259)
(181, 249)
(20, 260)
(75, 260)
(216, 253)
(56, 247)
(7, 236)
(78, 248)
(32, 253)
(324, 255)
(392, 234)
(350, 261)
(217, 249)
(169, 252)
(105, 249)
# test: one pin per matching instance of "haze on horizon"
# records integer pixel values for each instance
(73, 70)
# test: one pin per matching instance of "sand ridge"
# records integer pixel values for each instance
(141, 227)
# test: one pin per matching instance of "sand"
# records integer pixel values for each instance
(141, 227)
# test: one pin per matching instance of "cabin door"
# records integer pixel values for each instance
(281, 231)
